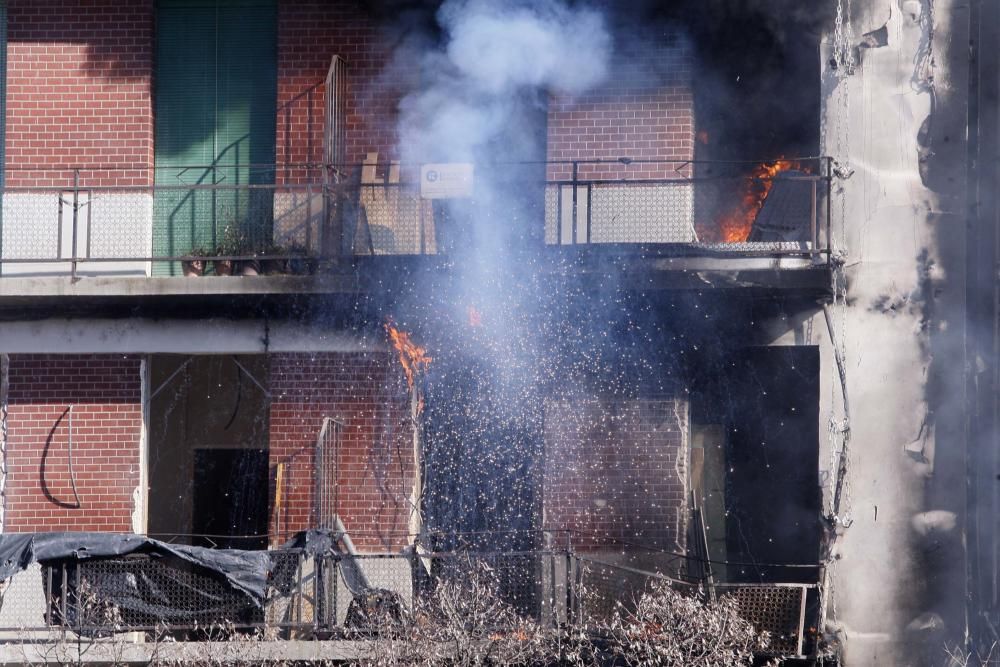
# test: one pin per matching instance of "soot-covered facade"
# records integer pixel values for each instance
(215, 232)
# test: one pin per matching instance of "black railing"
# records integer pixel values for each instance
(126, 220)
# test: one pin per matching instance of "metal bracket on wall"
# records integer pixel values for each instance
(164, 384)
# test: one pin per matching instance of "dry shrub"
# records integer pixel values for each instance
(668, 628)
(465, 623)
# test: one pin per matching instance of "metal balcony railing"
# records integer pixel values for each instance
(328, 595)
(232, 220)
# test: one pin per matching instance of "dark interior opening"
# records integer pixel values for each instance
(230, 509)
(757, 426)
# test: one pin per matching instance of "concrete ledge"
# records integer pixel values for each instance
(131, 286)
(120, 651)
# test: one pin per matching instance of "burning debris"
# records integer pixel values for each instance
(412, 357)
(414, 360)
(735, 225)
(475, 318)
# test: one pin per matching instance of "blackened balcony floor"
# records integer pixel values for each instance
(631, 267)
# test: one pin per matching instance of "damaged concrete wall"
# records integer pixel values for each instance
(895, 121)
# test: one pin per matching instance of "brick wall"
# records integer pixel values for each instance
(105, 392)
(374, 471)
(78, 89)
(616, 470)
(645, 112)
(309, 34)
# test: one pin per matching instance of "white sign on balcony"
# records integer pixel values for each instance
(446, 181)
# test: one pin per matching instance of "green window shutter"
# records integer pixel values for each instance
(216, 93)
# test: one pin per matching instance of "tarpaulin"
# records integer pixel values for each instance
(245, 571)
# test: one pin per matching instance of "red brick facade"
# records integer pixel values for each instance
(104, 391)
(617, 470)
(374, 463)
(80, 87)
(79, 90)
(310, 33)
(646, 112)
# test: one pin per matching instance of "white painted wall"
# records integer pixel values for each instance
(114, 224)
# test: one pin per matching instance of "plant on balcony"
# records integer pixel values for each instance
(271, 267)
(292, 259)
(300, 263)
(232, 243)
(196, 265)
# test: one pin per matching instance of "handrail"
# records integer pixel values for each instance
(634, 203)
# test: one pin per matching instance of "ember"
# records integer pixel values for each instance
(735, 226)
(475, 319)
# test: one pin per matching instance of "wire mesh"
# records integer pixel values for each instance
(778, 610)
(325, 474)
(147, 219)
(333, 595)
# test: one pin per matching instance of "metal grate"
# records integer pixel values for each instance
(335, 126)
(325, 474)
(777, 609)
(140, 592)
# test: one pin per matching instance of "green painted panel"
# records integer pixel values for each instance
(216, 91)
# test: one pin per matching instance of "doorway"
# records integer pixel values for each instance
(208, 449)
(755, 457)
(216, 114)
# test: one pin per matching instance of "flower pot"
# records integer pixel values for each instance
(193, 267)
(270, 267)
(250, 267)
(223, 267)
(300, 266)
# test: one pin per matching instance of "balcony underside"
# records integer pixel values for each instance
(633, 268)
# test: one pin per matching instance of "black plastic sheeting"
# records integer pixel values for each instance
(244, 570)
(231, 580)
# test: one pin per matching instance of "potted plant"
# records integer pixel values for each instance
(232, 244)
(222, 267)
(195, 266)
(250, 267)
(271, 267)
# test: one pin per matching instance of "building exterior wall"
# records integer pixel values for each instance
(374, 462)
(310, 33)
(644, 113)
(79, 90)
(79, 93)
(896, 546)
(105, 394)
(616, 471)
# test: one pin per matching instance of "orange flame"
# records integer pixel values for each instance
(702, 137)
(475, 319)
(412, 357)
(735, 226)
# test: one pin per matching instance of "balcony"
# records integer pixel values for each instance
(123, 231)
(310, 599)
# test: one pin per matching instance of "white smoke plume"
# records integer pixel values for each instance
(497, 57)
